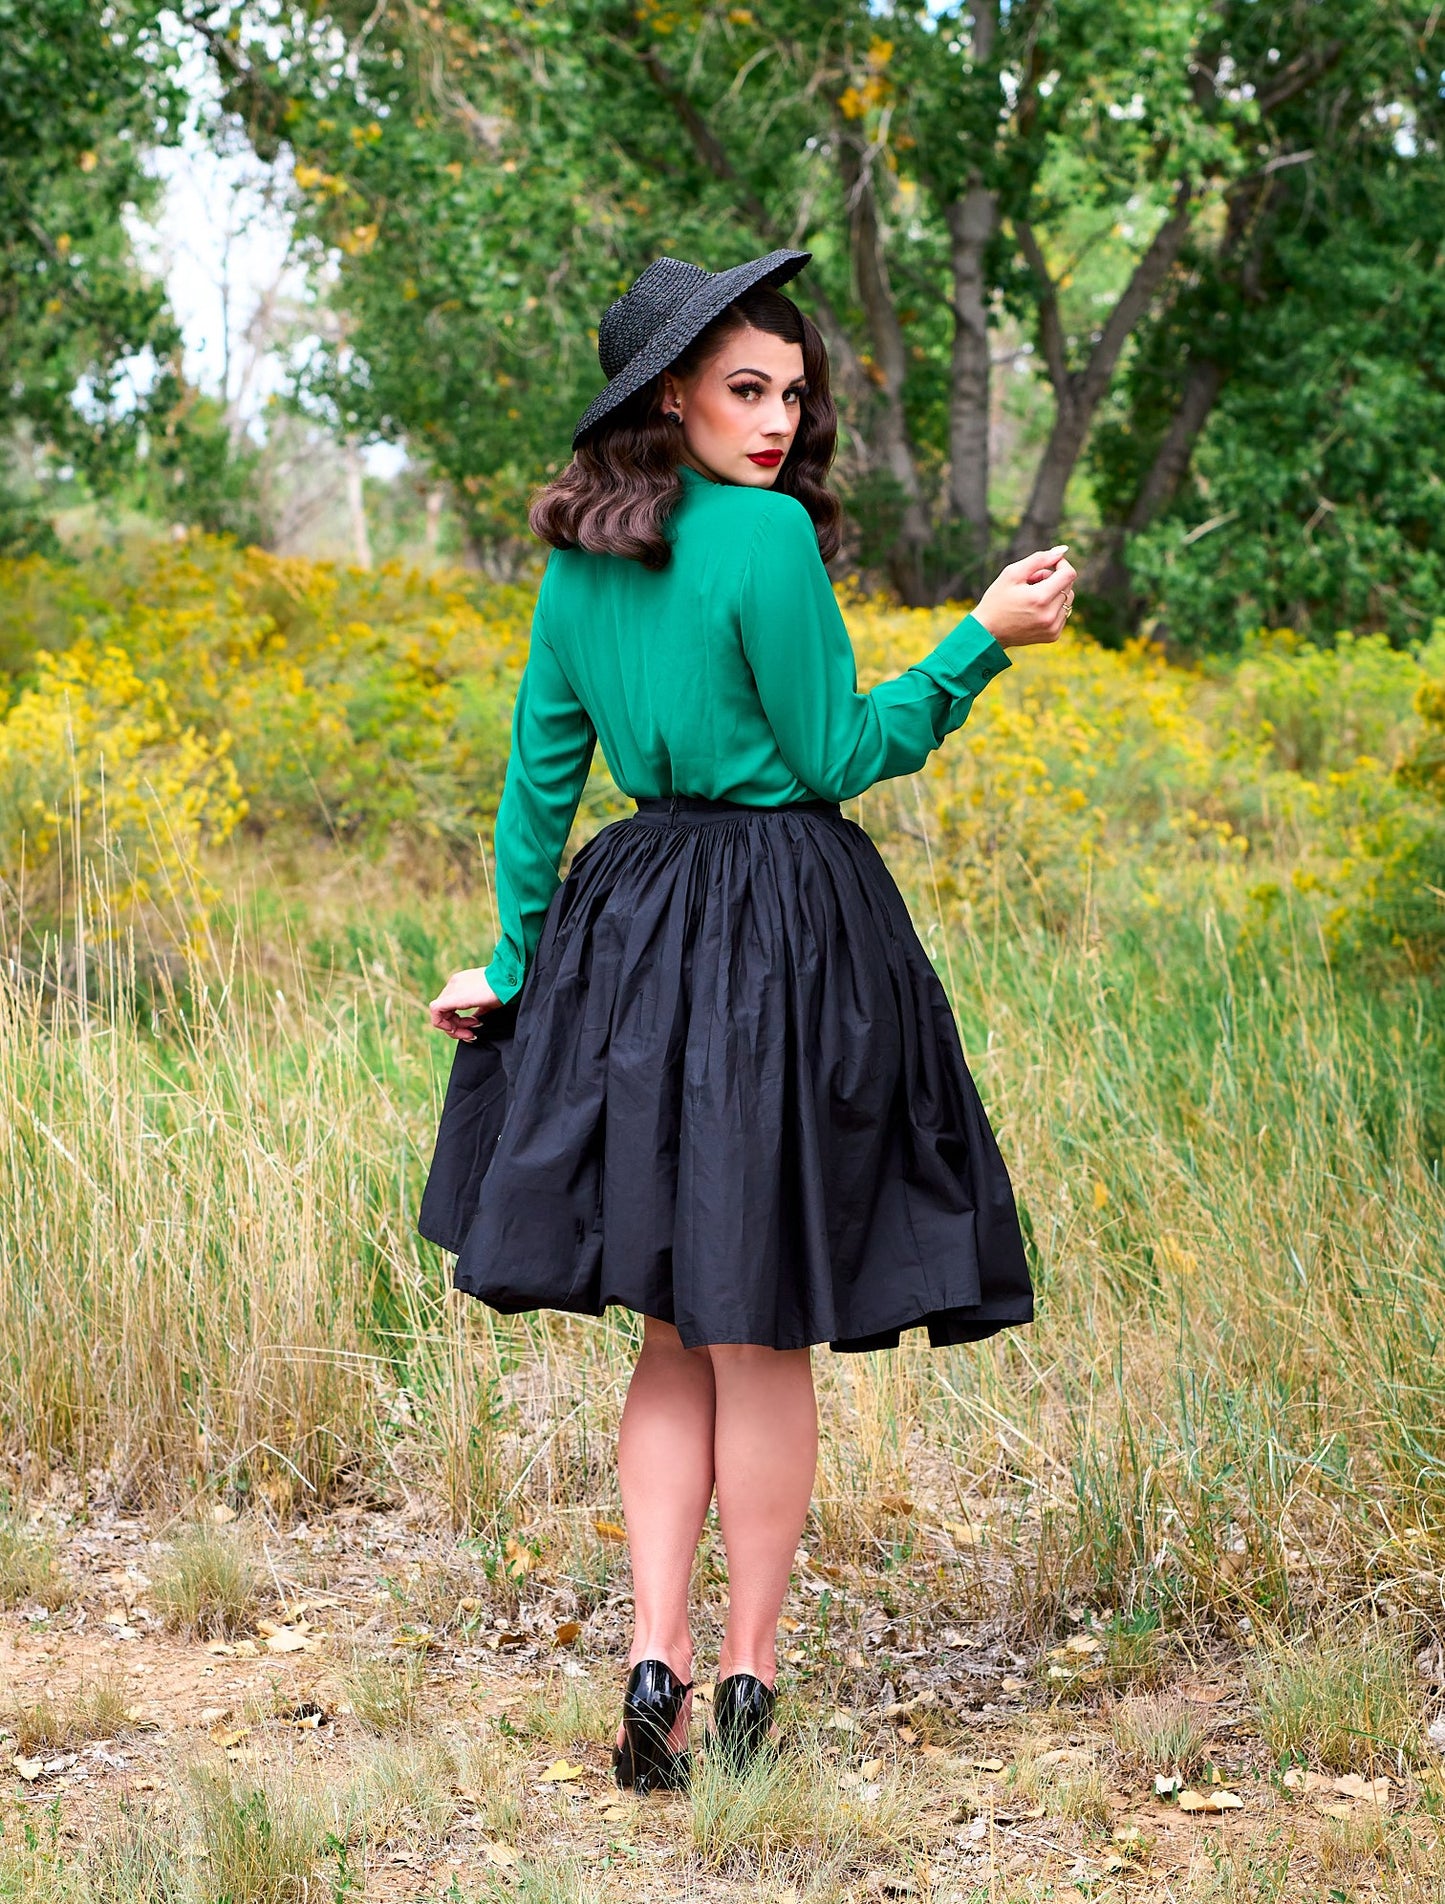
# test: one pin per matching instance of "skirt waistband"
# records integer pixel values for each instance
(696, 806)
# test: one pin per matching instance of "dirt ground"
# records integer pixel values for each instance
(1017, 1787)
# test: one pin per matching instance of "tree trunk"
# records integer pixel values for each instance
(356, 507)
(890, 441)
(971, 221)
(436, 497)
(1078, 393)
(1107, 573)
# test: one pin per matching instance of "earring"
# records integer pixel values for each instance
(674, 416)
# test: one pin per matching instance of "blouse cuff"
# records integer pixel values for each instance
(503, 977)
(966, 660)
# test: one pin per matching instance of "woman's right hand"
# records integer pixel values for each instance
(1030, 600)
(463, 991)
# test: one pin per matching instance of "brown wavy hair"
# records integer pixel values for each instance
(616, 494)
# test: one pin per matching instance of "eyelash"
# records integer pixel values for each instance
(741, 390)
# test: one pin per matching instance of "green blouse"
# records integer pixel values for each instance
(729, 673)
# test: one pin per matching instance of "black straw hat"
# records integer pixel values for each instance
(661, 312)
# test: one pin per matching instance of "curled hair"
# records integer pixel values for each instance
(616, 494)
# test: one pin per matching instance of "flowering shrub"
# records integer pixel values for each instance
(196, 691)
(95, 757)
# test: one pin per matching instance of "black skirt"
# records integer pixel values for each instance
(730, 1093)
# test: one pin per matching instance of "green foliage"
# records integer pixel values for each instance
(84, 94)
(1312, 498)
(487, 178)
(193, 470)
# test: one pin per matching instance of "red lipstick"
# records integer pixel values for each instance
(765, 459)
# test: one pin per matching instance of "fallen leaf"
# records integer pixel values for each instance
(567, 1632)
(1011, 1684)
(1204, 1695)
(1376, 1791)
(609, 1530)
(221, 1514)
(29, 1769)
(966, 1533)
(928, 1697)
(612, 1813)
(287, 1640)
(789, 1624)
(987, 1765)
(841, 1722)
(870, 1768)
(907, 1736)
(498, 1852)
(234, 1737)
(305, 1713)
(220, 1649)
(881, 1884)
(1210, 1801)
(559, 1769)
(211, 1715)
(1334, 1811)
(1082, 1644)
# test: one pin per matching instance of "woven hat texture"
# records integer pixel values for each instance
(659, 315)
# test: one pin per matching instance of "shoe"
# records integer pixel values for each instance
(742, 1712)
(650, 1705)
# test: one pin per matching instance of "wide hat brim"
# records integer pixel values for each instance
(666, 344)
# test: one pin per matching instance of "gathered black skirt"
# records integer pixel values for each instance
(730, 1093)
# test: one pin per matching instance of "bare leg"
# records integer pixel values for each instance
(665, 1471)
(766, 1455)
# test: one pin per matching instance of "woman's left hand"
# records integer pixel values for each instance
(463, 991)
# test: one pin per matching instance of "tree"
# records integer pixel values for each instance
(85, 92)
(1270, 454)
(485, 177)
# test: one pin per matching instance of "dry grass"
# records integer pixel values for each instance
(565, 1710)
(28, 1572)
(789, 1819)
(384, 1694)
(210, 1585)
(260, 1846)
(1159, 1732)
(1341, 1701)
(63, 1722)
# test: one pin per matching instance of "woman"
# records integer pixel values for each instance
(726, 1089)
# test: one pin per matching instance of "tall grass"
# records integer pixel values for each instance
(1230, 1407)
(1224, 1130)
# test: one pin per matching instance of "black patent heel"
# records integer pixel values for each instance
(742, 1713)
(650, 1705)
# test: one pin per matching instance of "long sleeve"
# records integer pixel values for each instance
(837, 741)
(552, 744)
